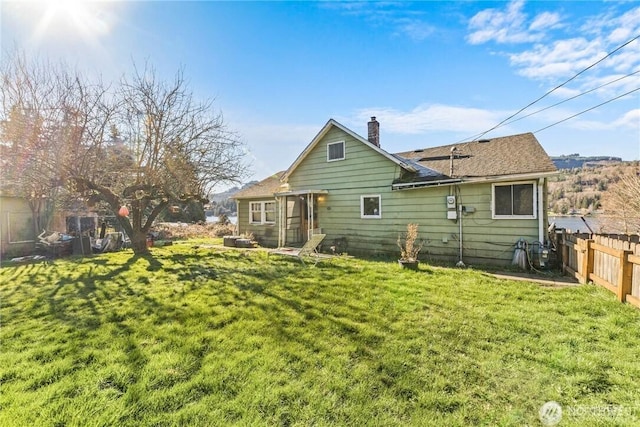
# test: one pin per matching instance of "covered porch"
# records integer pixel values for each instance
(298, 216)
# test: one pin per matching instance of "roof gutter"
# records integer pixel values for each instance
(474, 180)
(300, 192)
(412, 185)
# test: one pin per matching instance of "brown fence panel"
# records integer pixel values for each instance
(612, 262)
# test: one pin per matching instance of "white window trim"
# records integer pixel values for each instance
(263, 212)
(362, 198)
(344, 151)
(504, 184)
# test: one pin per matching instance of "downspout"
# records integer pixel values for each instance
(541, 226)
(460, 263)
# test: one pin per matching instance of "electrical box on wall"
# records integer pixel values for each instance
(451, 202)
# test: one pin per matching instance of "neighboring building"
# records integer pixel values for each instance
(472, 200)
(17, 235)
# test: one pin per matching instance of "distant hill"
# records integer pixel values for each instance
(571, 161)
(583, 189)
(222, 203)
(220, 197)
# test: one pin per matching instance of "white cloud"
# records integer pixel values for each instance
(630, 120)
(625, 122)
(617, 29)
(545, 20)
(416, 30)
(400, 17)
(433, 118)
(555, 61)
(562, 58)
(509, 25)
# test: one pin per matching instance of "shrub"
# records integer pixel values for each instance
(408, 244)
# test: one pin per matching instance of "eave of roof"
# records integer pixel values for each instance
(470, 180)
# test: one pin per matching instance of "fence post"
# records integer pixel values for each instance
(565, 251)
(624, 276)
(587, 260)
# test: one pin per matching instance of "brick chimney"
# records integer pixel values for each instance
(374, 132)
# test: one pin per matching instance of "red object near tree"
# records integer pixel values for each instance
(124, 211)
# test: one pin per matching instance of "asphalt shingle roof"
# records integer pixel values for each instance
(509, 155)
(265, 188)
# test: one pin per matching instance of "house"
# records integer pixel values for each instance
(473, 201)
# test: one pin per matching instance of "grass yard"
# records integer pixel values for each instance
(200, 336)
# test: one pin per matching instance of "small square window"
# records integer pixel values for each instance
(371, 206)
(335, 151)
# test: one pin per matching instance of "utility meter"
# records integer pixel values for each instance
(451, 202)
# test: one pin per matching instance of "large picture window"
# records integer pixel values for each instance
(514, 200)
(262, 212)
(335, 151)
(371, 206)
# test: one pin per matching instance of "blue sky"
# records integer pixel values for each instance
(433, 73)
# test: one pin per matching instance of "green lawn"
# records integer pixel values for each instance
(200, 336)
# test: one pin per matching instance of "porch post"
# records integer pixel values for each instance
(310, 214)
(280, 221)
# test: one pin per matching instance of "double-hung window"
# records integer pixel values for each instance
(515, 200)
(262, 212)
(335, 151)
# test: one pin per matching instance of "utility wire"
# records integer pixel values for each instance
(559, 86)
(573, 97)
(588, 109)
(553, 105)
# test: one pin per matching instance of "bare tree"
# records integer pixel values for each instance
(29, 123)
(622, 203)
(144, 143)
(172, 150)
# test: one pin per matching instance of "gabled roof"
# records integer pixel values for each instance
(265, 188)
(491, 158)
(327, 127)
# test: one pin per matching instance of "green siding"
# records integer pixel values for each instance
(266, 234)
(364, 171)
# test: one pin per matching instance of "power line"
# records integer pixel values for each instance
(588, 109)
(572, 98)
(559, 86)
(554, 105)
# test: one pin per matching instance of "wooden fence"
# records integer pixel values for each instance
(606, 261)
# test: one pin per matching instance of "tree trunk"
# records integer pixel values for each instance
(139, 242)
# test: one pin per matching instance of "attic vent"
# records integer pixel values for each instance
(482, 141)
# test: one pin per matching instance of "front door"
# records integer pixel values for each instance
(299, 219)
(308, 216)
